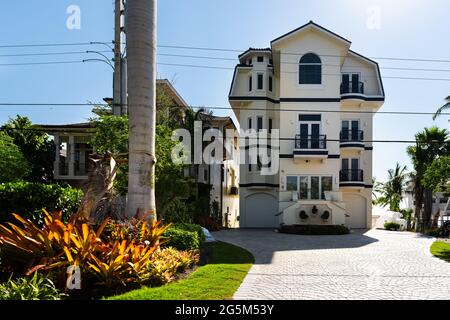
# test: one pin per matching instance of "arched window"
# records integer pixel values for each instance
(310, 69)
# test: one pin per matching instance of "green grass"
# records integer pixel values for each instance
(218, 280)
(441, 250)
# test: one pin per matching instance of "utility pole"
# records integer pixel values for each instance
(117, 103)
(141, 52)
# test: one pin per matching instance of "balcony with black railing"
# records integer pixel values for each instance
(352, 139)
(356, 87)
(314, 146)
(351, 178)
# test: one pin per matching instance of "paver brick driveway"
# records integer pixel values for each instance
(376, 264)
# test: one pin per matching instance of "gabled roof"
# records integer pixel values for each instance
(254, 50)
(351, 52)
(307, 26)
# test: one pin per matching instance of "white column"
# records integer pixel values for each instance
(71, 155)
(57, 143)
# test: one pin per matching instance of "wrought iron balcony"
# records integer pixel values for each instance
(352, 87)
(352, 135)
(311, 142)
(352, 175)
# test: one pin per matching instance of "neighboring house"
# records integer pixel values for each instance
(441, 203)
(306, 84)
(223, 178)
(73, 144)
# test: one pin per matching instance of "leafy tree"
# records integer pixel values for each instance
(437, 175)
(431, 143)
(13, 165)
(36, 147)
(392, 190)
(171, 185)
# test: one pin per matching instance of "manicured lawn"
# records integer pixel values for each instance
(218, 280)
(441, 250)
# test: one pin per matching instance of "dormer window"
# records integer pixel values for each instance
(260, 59)
(310, 69)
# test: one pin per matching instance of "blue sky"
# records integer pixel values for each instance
(408, 29)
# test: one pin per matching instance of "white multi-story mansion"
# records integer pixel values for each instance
(322, 97)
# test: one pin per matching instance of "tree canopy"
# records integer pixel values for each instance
(13, 165)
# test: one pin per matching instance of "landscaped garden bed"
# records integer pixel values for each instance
(101, 260)
(217, 280)
(314, 229)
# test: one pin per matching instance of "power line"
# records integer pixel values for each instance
(24, 45)
(421, 113)
(63, 130)
(296, 63)
(294, 72)
(302, 53)
(48, 53)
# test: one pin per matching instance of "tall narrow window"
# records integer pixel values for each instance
(249, 123)
(310, 69)
(270, 125)
(250, 83)
(259, 123)
(260, 81)
(270, 83)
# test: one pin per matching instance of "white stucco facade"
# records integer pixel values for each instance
(322, 97)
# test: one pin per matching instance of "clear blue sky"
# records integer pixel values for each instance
(408, 28)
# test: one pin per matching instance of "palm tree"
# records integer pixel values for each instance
(443, 108)
(431, 143)
(392, 190)
(141, 51)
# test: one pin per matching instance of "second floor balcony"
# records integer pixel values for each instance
(310, 146)
(352, 139)
(351, 178)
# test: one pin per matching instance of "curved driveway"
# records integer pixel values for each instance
(376, 264)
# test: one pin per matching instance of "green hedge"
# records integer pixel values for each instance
(182, 239)
(315, 229)
(191, 227)
(28, 199)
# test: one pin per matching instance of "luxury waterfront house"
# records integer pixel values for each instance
(322, 97)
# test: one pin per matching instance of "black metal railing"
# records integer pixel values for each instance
(351, 135)
(310, 141)
(352, 175)
(352, 87)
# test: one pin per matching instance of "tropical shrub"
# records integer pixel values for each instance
(393, 226)
(191, 227)
(28, 199)
(111, 257)
(167, 262)
(36, 287)
(181, 239)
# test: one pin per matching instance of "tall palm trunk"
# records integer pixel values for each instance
(141, 51)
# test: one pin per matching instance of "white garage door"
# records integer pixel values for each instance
(260, 211)
(356, 209)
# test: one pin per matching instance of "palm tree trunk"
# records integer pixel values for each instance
(428, 206)
(141, 52)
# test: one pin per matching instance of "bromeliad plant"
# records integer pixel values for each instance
(121, 257)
